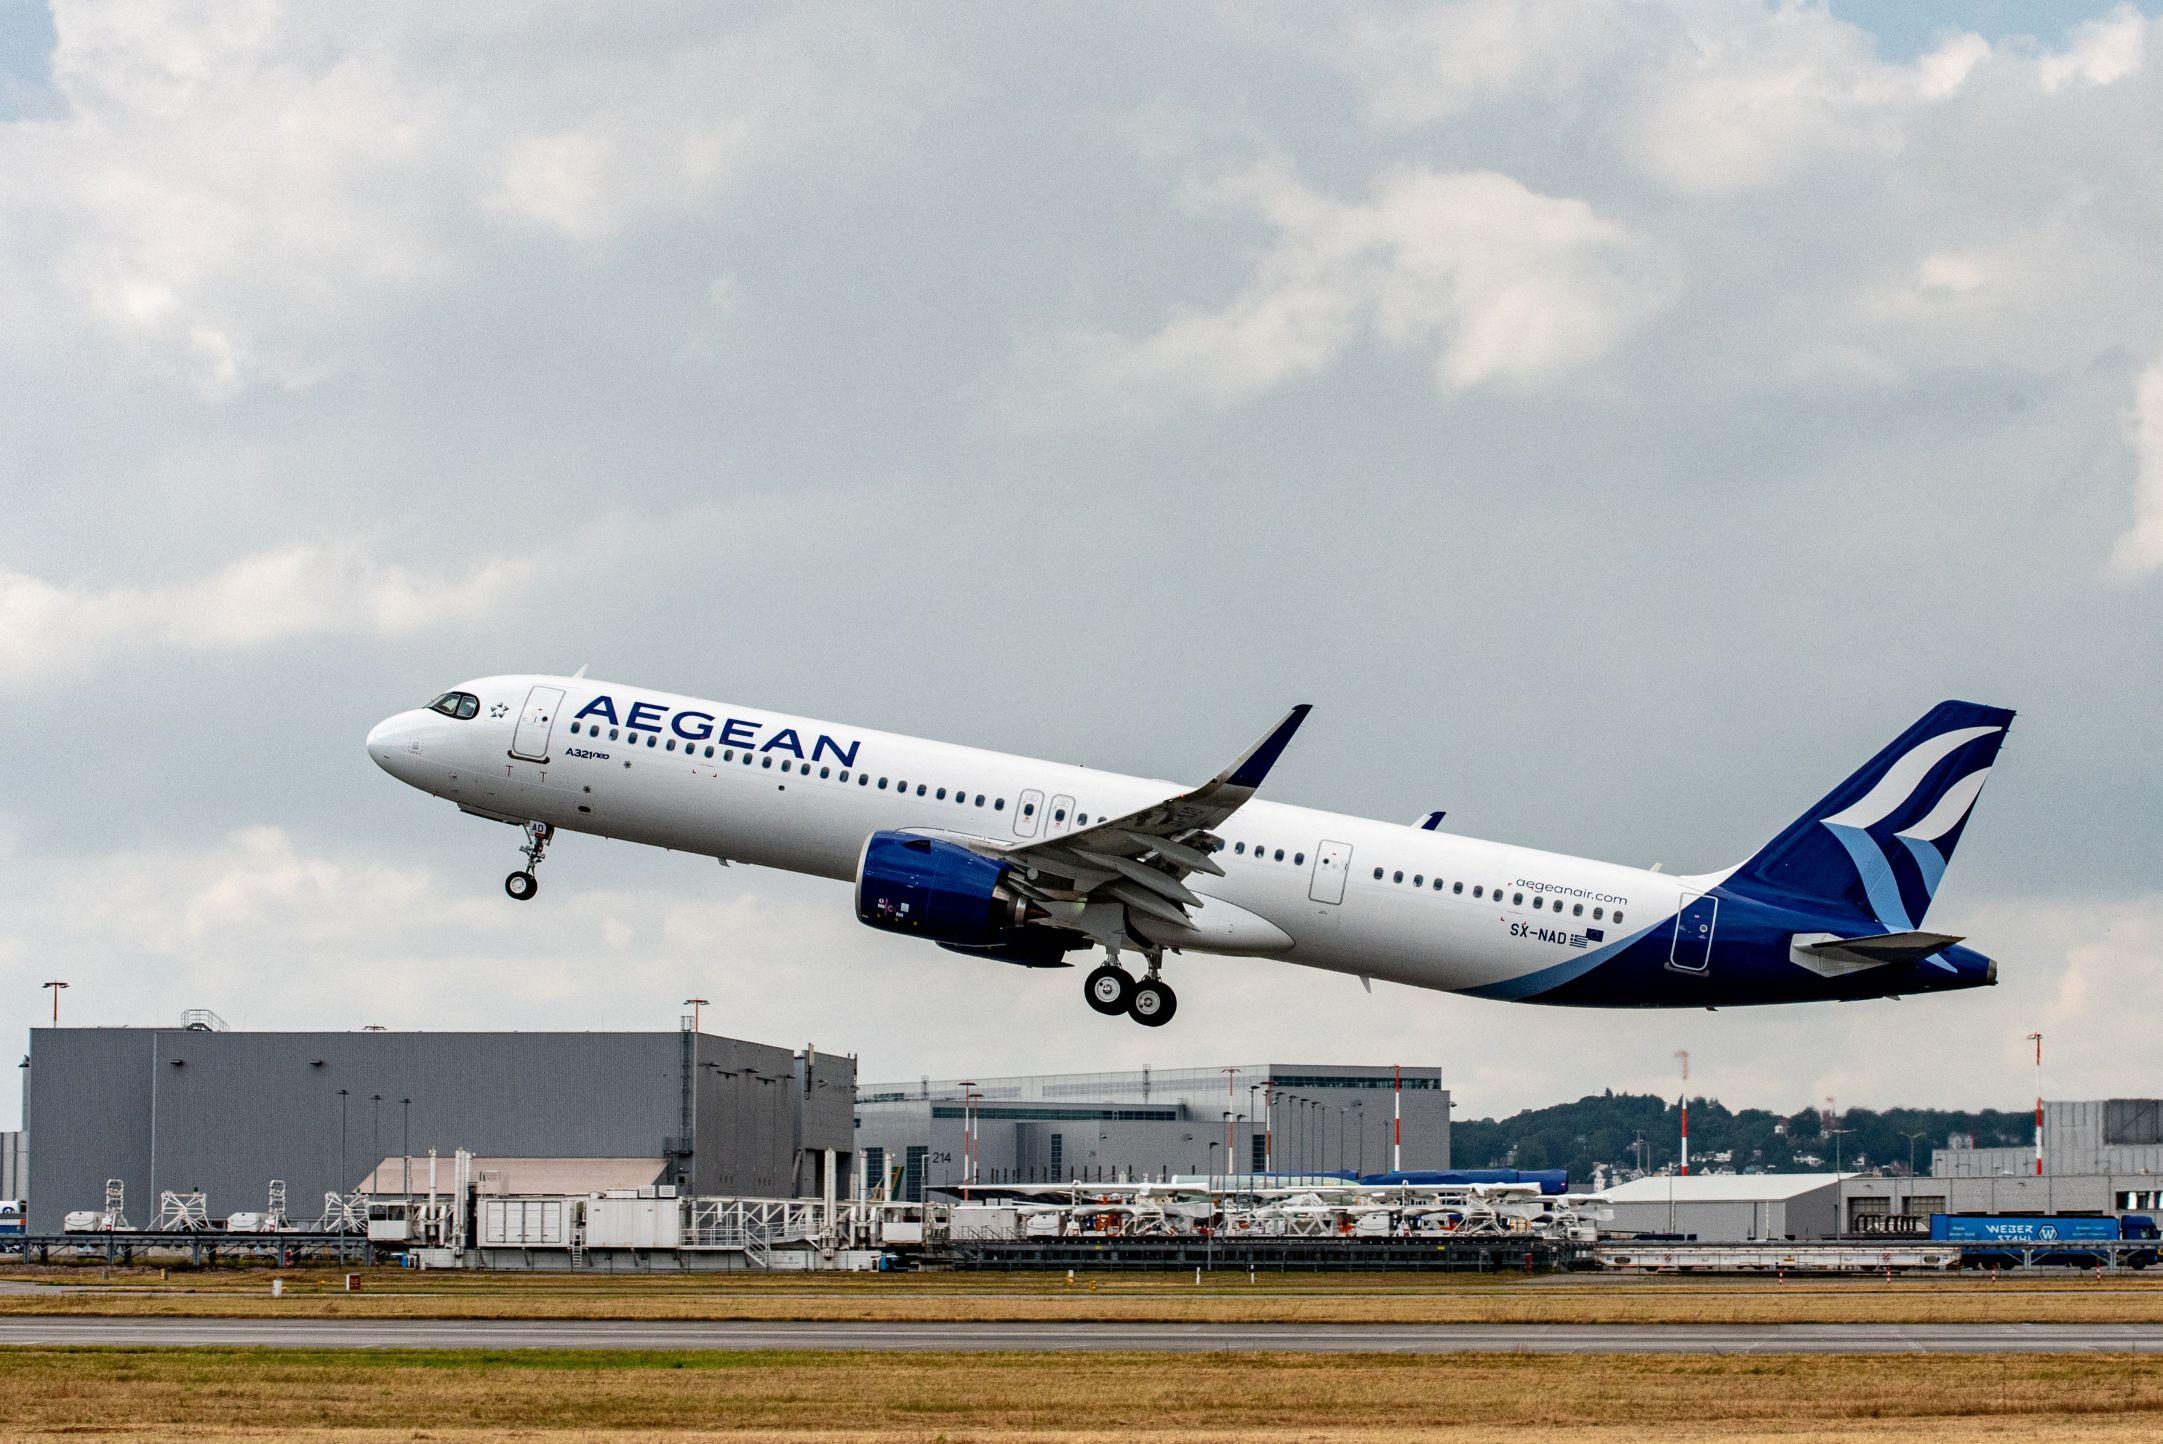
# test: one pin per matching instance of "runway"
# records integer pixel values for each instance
(1987, 1338)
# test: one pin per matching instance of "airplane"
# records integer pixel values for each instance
(1023, 861)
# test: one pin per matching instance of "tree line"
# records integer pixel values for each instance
(1628, 1130)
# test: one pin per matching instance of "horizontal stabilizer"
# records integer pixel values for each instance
(1885, 947)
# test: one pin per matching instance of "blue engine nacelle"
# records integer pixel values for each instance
(942, 891)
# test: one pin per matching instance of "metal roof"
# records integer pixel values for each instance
(521, 1175)
(1721, 1187)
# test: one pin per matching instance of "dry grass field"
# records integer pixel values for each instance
(219, 1395)
(1221, 1298)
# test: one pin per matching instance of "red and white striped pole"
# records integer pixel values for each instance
(1684, 1055)
(1396, 1120)
(2037, 1039)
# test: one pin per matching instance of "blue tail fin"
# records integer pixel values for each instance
(1878, 843)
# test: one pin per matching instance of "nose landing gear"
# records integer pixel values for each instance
(522, 885)
(1111, 990)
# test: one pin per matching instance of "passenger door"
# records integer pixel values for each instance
(1027, 813)
(1062, 816)
(1332, 864)
(1691, 950)
(529, 743)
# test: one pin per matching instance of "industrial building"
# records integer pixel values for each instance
(2100, 1156)
(196, 1109)
(1727, 1207)
(1296, 1119)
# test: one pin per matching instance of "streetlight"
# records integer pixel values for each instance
(694, 1004)
(407, 1144)
(345, 1176)
(1911, 1137)
(1359, 1108)
(54, 988)
(1227, 1143)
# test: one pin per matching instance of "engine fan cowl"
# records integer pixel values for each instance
(930, 888)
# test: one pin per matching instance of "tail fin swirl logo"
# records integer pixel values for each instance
(1893, 794)
(1875, 848)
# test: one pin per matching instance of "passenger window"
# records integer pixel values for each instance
(998, 804)
(1477, 891)
(1618, 917)
(671, 744)
(844, 774)
(1393, 877)
(882, 784)
(1299, 859)
(612, 734)
(942, 794)
(574, 729)
(825, 772)
(1028, 809)
(1458, 888)
(784, 764)
(1536, 901)
(863, 779)
(1577, 910)
(1419, 880)
(1278, 855)
(1081, 819)
(651, 740)
(919, 789)
(765, 761)
(709, 752)
(980, 799)
(1377, 878)
(1237, 847)
(1598, 913)
(1517, 900)
(1438, 884)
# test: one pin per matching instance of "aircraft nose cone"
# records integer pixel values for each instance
(387, 742)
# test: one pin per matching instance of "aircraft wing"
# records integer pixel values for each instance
(1092, 878)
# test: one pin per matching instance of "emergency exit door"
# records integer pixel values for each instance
(1332, 861)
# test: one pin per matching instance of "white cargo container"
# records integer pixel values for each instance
(525, 1223)
(633, 1219)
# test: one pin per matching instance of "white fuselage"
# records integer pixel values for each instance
(1351, 894)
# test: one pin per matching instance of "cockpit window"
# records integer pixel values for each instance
(462, 705)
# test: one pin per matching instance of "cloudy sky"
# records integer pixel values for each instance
(1618, 419)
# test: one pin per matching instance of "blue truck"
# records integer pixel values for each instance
(2064, 1240)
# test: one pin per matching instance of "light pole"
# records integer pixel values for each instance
(1231, 1077)
(376, 1137)
(345, 1176)
(2036, 1038)
(1912, 1137)
(1359, 1112)
(969, 1096)
(54, 988)
(406, 1143)
(694, 1004)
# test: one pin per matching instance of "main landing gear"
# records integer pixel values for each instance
(523, 884)
(1112, 990)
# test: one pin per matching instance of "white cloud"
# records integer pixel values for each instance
(2139, 552)
(232, 192)
(2102, 52)
(51, 631)
(1750, 97)
(1418, 67)
(1505, 286)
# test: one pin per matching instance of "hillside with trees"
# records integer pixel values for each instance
(1624, 1130)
